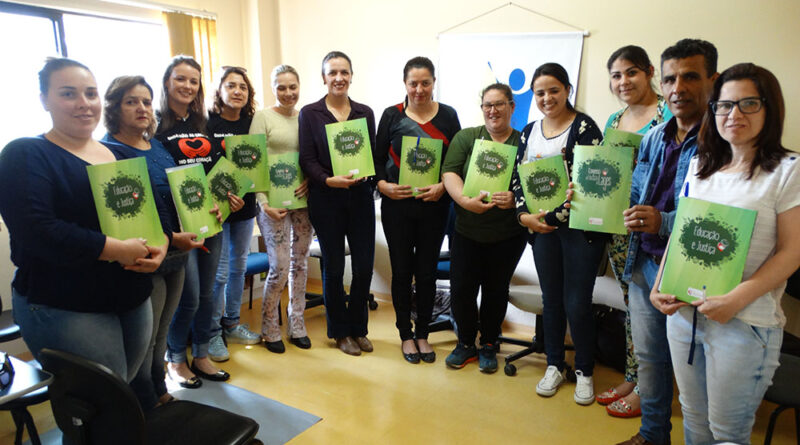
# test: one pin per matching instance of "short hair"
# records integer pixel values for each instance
(281, 69)
(692, 47)
(713, 152)
(197, 114)
(112, 109)
(419, 62)
(249, 108)
(53, 64)
(503, 88)
(559, 72)
(335, 55)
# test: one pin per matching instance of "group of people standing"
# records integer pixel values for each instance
(717, 137)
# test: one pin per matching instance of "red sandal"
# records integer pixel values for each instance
(608, 396)
(621, 408)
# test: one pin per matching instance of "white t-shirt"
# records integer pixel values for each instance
(770, 194)
(541, 147)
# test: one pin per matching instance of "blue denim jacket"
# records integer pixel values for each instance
(648, 167)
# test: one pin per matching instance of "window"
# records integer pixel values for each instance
(110, 47)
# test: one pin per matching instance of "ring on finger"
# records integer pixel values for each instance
(641, 222)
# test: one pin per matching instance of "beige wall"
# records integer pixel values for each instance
(380, 35)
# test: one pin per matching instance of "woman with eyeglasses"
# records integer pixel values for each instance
(129, 119)
(182, 131)
(566, 259)
(340, 207)
(75, 289)
(631, 81)
(487, 242)
(737, 336)
(414, 225)
(230, 115)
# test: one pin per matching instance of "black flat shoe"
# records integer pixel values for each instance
(302, 342)
(219, 376)
(190, 383)
(412, 358)
(275, 346)
(427, 357)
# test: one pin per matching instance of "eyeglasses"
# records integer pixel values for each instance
(6, 372)
(747, 105)
(499, 106)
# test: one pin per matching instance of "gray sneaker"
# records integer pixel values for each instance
(242, 335)
(217, 350)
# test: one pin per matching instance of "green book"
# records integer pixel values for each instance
(350, 148)
(193, 201)
(124, 199)
(602, 178)
(248, 152)
(544, 183)
(285, 176)
(225, 178)
(707, 250)
(420, 162)
(619, 138)
(490, 168)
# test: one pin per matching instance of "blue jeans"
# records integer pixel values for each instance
(116, 340)
(229, 283)
(649, 333)
(149, 384)
(337, 214)
(194, 309)
(732, 369)
(567, 264)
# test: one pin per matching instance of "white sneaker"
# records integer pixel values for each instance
(584, 389)
(548, 385)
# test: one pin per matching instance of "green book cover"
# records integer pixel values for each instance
(225, 178)
(193, 200)
(420, 162)
(350, 148)
(602, 178)
(544, 183)
(285, 176)
(124, 199)
(490, 168)
(248, 152)
(707, 250)
(619, 138)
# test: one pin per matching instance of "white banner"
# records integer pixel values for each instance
(470, 62)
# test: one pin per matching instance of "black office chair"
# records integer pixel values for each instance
(785, 391)
(19, 407)
(92, 405)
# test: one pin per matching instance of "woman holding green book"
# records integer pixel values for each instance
(182, 131)
(75, 289)
(631, 81)
(566, 259)
(733, 341)
(287, 232)
(414, 220)
(487, 242)
(339, 206)
(129, 119)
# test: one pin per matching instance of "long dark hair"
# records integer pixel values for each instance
(560, 74)
(713, 152)
(249, 108)
(197, 113)
(637, 56)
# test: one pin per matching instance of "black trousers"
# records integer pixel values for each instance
(414, 232)
(487, 267)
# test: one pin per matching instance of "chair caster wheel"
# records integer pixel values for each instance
(373, 305)
(570, 374)
(510, 370)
